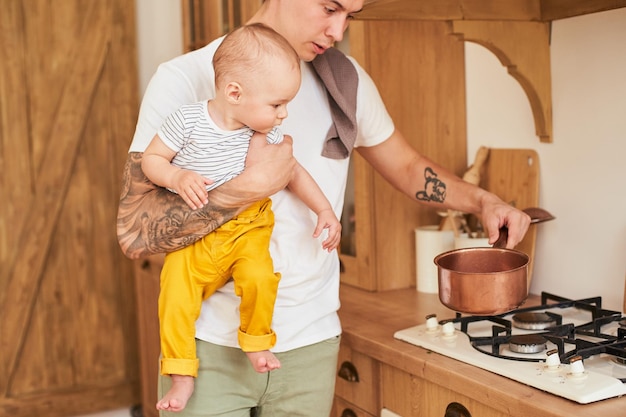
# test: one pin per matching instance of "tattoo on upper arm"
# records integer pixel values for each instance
(434, 188)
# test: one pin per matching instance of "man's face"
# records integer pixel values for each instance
(312, 26)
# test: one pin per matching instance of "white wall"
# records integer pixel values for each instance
(583, 172)
(159, 35)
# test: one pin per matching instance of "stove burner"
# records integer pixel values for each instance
(527, 343)
(533, 321)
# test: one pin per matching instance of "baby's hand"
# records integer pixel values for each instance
(326, 219)
(191, 187)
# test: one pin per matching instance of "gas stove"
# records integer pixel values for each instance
(571, 348)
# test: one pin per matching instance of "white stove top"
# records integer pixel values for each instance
(593, 379)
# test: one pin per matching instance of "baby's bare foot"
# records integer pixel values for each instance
(263, 361)
(176, 398)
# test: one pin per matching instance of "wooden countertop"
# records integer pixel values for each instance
(370, 319)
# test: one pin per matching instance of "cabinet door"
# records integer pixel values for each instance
(357, 379)
(401, 392)
(440, 399)
(418, 67)
(411, 396)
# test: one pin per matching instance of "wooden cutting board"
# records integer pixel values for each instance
(513, 175)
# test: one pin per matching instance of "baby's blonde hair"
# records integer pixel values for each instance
(248, 50)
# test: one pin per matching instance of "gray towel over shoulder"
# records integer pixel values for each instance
(341, 80)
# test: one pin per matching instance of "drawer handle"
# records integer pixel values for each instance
(348, 413)
(348, 372)
(457, 410)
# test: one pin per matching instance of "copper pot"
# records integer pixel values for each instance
(482, 281)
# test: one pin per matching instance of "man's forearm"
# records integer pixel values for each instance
(153, 220)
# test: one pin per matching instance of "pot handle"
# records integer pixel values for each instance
(504, 236)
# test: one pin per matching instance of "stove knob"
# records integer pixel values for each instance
(553, 362)
(448, 329)
(577, 369)
(432, 325)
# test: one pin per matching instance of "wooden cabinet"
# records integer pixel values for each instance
(418, 67)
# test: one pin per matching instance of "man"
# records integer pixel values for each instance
(305, 316)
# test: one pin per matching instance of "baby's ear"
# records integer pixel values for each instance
(233, 92)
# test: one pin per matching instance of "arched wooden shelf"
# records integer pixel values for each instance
(524, 49)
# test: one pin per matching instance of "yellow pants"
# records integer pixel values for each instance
(238, 249)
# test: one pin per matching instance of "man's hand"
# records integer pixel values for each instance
(496, 214)
(269, 168)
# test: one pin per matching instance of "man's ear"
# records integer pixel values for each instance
(233, 92)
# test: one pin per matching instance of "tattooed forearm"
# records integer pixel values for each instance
(153, 220)
(434, 188)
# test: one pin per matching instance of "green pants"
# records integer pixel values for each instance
(227, 386)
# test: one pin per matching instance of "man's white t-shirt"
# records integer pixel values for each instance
(308, 293)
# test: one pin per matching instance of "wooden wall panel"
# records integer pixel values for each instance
(67, 313)
(15, 163)
(418, 67)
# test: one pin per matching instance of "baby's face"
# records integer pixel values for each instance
(265, 103)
